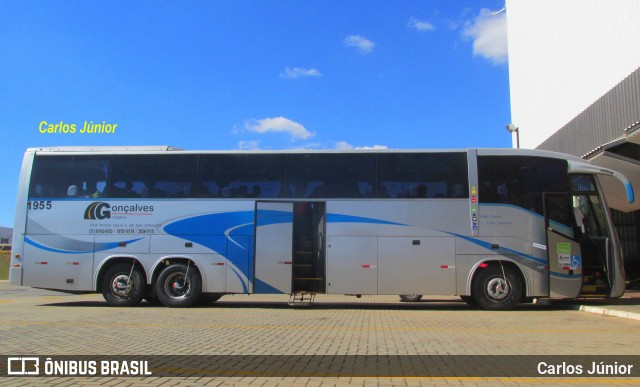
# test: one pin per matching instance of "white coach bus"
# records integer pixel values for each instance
(494, 226)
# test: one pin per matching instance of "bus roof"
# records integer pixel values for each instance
(133, 149)
(159, 149)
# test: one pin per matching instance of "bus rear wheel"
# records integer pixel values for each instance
(210, 298)
(497, 287)
(179, 286)
(123, 285)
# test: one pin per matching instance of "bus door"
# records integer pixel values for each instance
(563, 247)
(601, 252)
(273, 247)
(290, 247)
(596, 243)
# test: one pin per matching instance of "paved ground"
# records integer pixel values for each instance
(37, 322)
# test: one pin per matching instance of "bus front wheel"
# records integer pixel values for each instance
(123, 285)
(179, 286)
(497, 287)
(469, 300)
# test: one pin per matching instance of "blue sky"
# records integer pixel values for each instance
(252, 75)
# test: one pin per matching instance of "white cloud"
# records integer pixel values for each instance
(299, 72)
(343, 145)
(376, 147)
(308, 146)
(360, 43)
(489, 34)
(279, 125)
(420, 25)
(248, 145)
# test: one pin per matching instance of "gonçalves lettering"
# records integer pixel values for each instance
(131, 208)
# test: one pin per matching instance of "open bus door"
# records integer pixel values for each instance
(273, 247)
(290, 247)
(603, 265)
(602, 274)
(563, 247)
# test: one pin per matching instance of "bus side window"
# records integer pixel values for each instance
(223, 175)
(457, 191)
(54, 176)
(520, 180)
(422, 175)
(579, 220)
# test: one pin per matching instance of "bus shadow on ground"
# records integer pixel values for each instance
(423, 305)
(630, 298)
(420, 306)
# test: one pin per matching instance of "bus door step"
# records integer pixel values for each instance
(302, 299)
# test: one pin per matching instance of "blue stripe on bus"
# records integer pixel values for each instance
(518, 208)
(501, 250)
(269, 217)
(244, 285)
(340, 218)
(235, 225)
(225, 233)
(630, 194)
(97, 247)
(261, 287)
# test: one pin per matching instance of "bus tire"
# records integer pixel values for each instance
(410, 297)
(210, 298)
(150, 297)
(469, 300)
(120, 289)
(176, 290)
(491, 292)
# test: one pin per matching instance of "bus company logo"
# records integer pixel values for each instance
(98, 210)
(23, 366)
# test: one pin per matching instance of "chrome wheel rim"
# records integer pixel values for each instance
(122, 286)
(176, 286)
(497, 289)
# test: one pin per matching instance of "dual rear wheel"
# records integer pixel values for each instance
(123, 285)
(177, 286)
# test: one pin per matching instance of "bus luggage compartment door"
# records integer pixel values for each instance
(352, 265)
(59, 262)
(416, 265)
(563, 249)
(273, 247)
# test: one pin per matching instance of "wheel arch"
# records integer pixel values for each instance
(493, 261)
(114, 260)
(168, 260)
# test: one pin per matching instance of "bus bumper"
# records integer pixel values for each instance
(15, 275)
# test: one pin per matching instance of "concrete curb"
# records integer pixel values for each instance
(606, 311)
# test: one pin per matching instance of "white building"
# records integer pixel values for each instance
(574, 69)
(6, 235)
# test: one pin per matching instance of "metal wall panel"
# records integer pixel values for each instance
(602, 122)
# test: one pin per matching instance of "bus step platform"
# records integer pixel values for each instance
(594, 289)
(302, 299)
